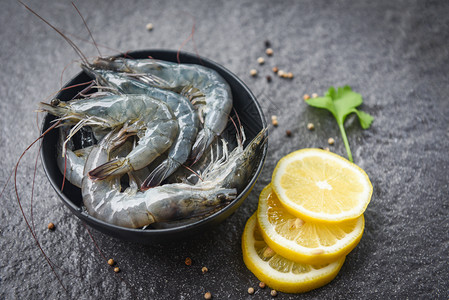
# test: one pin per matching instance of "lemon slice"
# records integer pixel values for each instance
(317, 185)
(301, 241)
(278, 272)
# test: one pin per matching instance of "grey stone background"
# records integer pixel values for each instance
(395, 53)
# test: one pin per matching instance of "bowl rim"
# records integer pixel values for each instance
(85, 217)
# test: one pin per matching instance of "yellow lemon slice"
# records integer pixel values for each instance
(304, 241)
(317, 185)
(281, 273)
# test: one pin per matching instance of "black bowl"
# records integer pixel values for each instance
(252, 119)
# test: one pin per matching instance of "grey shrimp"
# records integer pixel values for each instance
(212, 94)
(182, 109)
(152, 120)
(133, 208)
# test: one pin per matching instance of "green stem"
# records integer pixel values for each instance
(345, 140)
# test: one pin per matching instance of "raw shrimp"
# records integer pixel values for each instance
(135, 209)
(151, 119)
(212, 93)
(182, 110)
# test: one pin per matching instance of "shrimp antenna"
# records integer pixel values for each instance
(72, 44)
(21, 208)
(190, 37)
(87, 27)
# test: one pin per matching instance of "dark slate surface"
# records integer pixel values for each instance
(395, 53)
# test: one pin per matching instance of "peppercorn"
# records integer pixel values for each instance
(275, 69)
(288, 133)
(268, 78)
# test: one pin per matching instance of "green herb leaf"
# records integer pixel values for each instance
(341, 103)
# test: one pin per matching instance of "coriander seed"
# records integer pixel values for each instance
(188, 261)
(330, 141)
(275, 69)
(111, 262)
(208, 296)
(253, 72)
(314, 95)
(149, 26)
(310, 126)
(116, 269)
(267, 44)
(262, 285)
(51, 226)
(204, 270)
(269, 51)
(250, 290)
(274, 120)
(306, 97)
(261, 60)
(273, 293)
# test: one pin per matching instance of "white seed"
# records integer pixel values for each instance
(268, 252)
(261, 60)
(250, 290)
(306, 97)
(310, 126)
(298, 222)
(149, 26)
(317, 251)
(269, 51)
(330, 141)
(253, 72)
(314, 95)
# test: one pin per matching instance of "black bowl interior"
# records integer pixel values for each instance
(251, 117)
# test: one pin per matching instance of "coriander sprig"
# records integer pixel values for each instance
(341, 103)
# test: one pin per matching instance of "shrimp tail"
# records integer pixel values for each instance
(204, 138)
(165, 169)
(114, 167)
